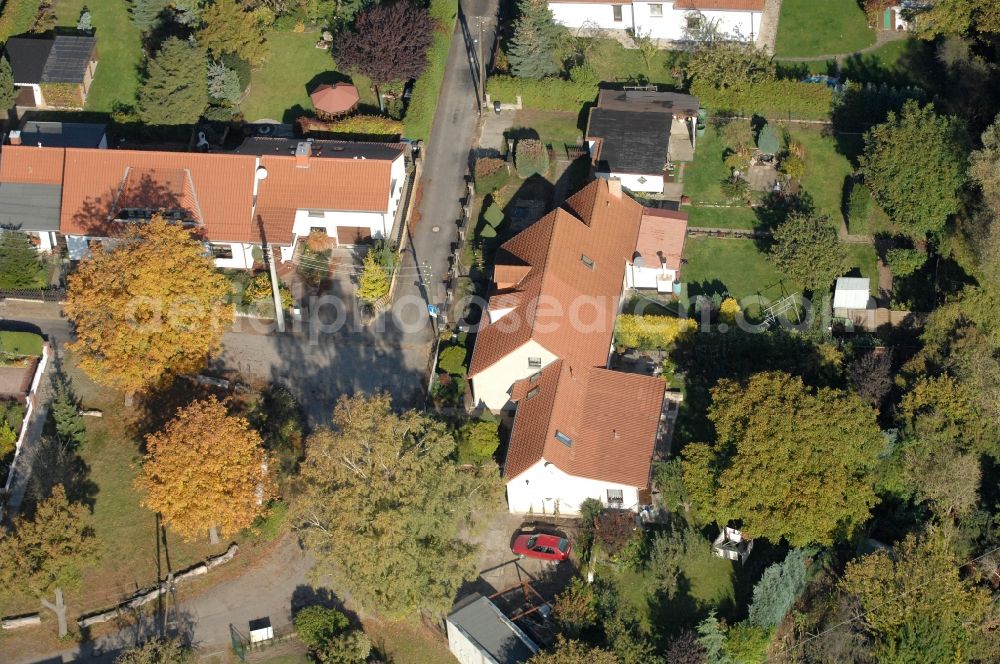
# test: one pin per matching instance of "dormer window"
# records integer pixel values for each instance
(532, 393)
(535, 362)
(563, 438)
(535, 377)
(587, 261)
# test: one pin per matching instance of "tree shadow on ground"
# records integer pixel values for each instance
(774, 209)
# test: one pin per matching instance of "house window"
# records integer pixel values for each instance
(532, 393)
(615, 497)
(222, 251)
(563, 438)
(656, 10)
(319, 230)
(587, 261)
(316, 214)
(535, 362)
(693, 21)
(535, 377)
(616, 12)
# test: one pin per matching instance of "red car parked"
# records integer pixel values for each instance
(545, 547)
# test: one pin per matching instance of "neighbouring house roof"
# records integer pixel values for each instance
(671, 103)
(262, 145)
(358, 185)
(215, 190)
(721, 5)
(16, 381)
(593, 224)
(661, 237)
(59, 59)
(851, 293)
(611, 419)
(63, 134)
(30, 207)
(491, 631)
(69, 58)
(27, 56)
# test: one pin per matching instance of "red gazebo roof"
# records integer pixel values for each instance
(337, 98)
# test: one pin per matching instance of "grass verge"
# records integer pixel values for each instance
(423, 104)
(809, 28)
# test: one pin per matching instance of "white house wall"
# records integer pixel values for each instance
(377, 223)
(492, 386)
(544, 489)
(631, 181)
(576, 15)
(242, 256)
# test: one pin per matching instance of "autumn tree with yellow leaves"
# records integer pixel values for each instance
(148, 309)
(206, 469)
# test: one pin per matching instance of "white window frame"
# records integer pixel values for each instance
(616, 13)
(616, 497)
(656, 10)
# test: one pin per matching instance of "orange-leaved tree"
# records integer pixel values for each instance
(150, 308)
(206, 469)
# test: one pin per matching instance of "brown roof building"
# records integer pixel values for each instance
(544, 345)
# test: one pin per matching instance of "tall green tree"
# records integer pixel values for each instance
(574, 652)
(229, 28)
(20, 266)
(807, 249)
(957, 17)
(7, 92)
(146, 13)
(158, 651)
(70, 427)
(388, 42)
(790, 462)
(915, 165)
(918, 607)
(382, 507)
(175, 90)
(533, 47)
(730, 65)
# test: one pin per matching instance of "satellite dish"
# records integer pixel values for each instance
(261, 173)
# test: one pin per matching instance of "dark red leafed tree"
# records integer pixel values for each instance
(387, 43)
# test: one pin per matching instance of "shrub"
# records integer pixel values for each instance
(548, 94)
(259, 290)
(779, 587)
(649, 332)
(490, 174)
(729, 310)
(904, 262)
(315, 625)
(452, 360)
(575, 608)
(858, 207)
(8, 439)
(530, 157)
(779, 98)
(374, 282)
(793, 166)
(478, 443)
(356, 127)
(493, 215)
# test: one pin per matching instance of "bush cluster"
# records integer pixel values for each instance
(777, 98)
(356, 127)
(490, 174)
(530, 157)
(858, 207)
(547, 94)
(649, 332)
(423, 103)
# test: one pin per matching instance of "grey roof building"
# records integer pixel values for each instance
(61, 134)
(59, 59)
(30, 207)
(479, 633)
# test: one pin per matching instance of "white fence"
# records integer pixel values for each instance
(30, 408)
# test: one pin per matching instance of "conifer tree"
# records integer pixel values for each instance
(532, 49)
(176, 88)
(19, 263)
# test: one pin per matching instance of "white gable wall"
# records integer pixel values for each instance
(544, 489)
(492, 385)
(639, 16)
(588, 14)
(636, 181)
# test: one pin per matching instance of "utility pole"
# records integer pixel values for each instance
(481, 88)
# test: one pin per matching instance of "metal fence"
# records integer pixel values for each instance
(39, 294)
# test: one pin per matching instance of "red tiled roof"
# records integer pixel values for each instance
(164, 189)
(358, 185)
(223, 184)
(721, 5)
(29, 164)
(661, 237)
(566, 306)
(611, 418)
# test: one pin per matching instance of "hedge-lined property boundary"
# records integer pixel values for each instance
(427, 88)
(547, 94)
(778, 98)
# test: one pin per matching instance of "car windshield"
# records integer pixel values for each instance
(531, 542)
(564, 545)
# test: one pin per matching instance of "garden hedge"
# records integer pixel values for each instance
(650, 332)
(427, 88)
(548, 94)
(779, 99)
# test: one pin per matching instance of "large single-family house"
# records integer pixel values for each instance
(270, 194)
(638, 136)
(54, 71)
(580, 430)
(671, 21)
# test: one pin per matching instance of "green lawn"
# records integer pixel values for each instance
(119, 48)
(552, 127)
(826, 170)
(862, 258)
(736, 266)
(280, 89)
(726, 217)
(820, 27)
(20, 343)
(703, 177)
(614, 63)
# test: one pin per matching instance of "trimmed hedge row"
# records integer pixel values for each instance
(427, 88)
(778, 98)
(649, 332)
(548, 94)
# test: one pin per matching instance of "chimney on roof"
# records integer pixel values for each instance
(303, 150)
(615, 187)
(14, 137)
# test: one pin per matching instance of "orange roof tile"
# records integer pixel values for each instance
(222, 184)
(611, 419)
(566, 306)
(721, 5)
(29, 164)
(357, 185)
(163, 189)
(661, 237)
